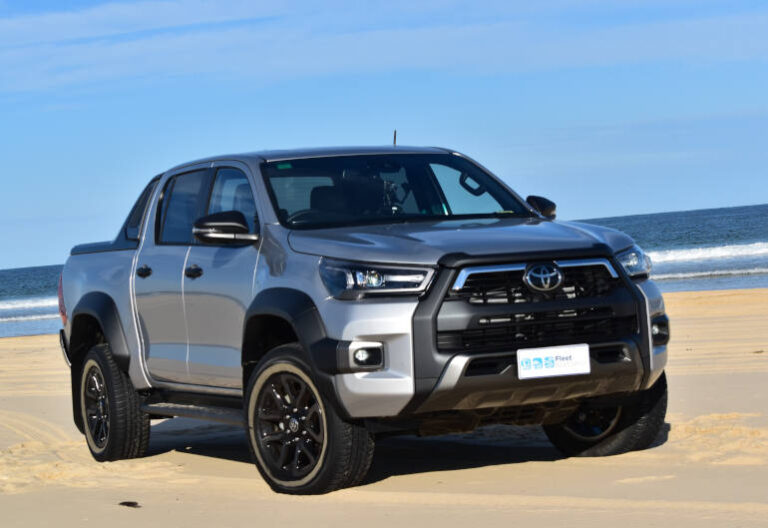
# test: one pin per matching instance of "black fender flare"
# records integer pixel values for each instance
(103, 309)
(300, 311)
(294, 306)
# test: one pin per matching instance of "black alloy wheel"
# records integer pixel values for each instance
(298, 439)
(96, 406)
(114, 425)
(593, 424)
(629, 424)
(289, 426)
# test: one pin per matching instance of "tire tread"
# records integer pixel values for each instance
(638, 428)
(129, 425)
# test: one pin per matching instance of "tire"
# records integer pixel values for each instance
(298, 442)
(605, 431)
(115, 427)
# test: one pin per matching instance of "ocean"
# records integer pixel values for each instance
(708, 249)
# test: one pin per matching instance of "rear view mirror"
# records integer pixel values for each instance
(464, 180)
(547, 208)
(224, 227)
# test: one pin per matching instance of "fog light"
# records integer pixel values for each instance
(660, 330)
(367, 357)
(361, 356)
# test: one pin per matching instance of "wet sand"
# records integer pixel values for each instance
(710, 468)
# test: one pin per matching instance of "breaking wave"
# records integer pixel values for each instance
(710, 274)
(20, 318)
(755, 249)
(26, 304)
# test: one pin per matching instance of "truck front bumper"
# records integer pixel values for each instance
(491, 380)
(417, 379)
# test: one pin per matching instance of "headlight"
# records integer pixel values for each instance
(354, 280)
(635, 262)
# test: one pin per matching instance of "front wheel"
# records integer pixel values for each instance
(610, 430)
(299, 443)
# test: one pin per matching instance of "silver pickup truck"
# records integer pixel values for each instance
(320, 298)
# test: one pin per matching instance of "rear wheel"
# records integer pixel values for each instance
(114, 425)
(299, 443)
(611, 430)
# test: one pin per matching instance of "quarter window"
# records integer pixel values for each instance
(133, 224)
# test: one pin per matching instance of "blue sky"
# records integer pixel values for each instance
(608, 108)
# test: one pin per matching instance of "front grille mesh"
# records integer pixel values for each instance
(507, 287)
(540, 329)
(585, 322)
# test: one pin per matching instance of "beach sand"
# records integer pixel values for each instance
(709, 469)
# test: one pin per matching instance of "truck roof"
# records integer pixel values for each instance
(319, 152)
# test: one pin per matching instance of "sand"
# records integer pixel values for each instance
(710, 468)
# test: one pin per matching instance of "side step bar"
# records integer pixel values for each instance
(227, 415)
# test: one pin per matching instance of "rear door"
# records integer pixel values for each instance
(160, 271)
(218, 288)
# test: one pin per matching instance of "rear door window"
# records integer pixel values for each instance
(181, 207)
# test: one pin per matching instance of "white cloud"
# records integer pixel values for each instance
(113, 19)
(118, 41)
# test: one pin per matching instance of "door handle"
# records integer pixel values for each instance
(144, 271)
(193, 271)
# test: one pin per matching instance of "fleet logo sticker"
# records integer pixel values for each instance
(545, 362)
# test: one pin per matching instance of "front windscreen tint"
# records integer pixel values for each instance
(352, 190)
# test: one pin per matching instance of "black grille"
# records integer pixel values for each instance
(539, 329)
(507, 287)
(590, 307)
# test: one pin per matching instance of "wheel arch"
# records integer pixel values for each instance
(94, 320)
(278, 316)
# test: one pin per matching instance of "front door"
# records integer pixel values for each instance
(218, 288)
(159, 274)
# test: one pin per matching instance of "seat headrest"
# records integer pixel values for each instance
(243, 198)
(243, 202)
(327, 198)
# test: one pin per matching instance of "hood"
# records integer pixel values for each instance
(425, 243)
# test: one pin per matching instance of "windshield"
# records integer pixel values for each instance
(353, 190)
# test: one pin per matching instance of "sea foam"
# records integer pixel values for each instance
(25, 304)
(708, 274)
(20, 318)
(755, 249)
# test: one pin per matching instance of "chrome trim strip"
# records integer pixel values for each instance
(588, 262)
(465, 273)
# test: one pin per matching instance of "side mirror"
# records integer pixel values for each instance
(224, 227)
(132, 232)
(542, 205)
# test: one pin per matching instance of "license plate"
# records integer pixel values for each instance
(546, 362)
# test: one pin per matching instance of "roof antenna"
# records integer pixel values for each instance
(394, 139)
